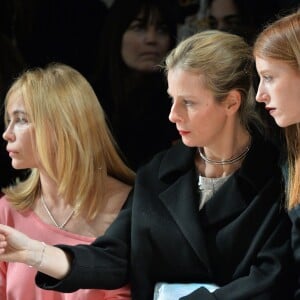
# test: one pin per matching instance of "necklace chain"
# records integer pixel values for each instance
(225, 161)
(52, 218)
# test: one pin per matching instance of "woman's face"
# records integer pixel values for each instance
(223, 15)
(144, 45)
(279, 90)
(19, 135)
(199, 118)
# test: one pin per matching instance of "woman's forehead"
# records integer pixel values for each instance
(150, 15)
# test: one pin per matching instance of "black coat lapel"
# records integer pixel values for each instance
(228, 201)
(182, 202)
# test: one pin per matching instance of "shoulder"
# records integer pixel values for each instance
(7, 212)
(177, 158)
(263, 154)
(294, 215)
(4, 204)
(117, 193)
(166, 167)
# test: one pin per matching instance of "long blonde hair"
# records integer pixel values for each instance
(74, 144)
(281, 41)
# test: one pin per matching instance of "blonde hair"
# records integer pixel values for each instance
(73, 142)
(281, 41)
(226, 62)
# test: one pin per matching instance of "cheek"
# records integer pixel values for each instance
(128, 50)
(165, 43)
(28, 140)
(211, 120)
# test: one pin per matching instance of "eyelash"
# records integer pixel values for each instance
(184, 102)
(267, 78)
(187, 103)
(18, 120)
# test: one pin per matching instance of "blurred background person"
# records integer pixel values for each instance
(136, 37)
(245, 18)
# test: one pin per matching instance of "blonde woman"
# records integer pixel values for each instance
(77, 182)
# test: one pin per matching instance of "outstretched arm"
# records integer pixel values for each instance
(17, 247)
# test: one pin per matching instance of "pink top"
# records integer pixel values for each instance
(17, 281)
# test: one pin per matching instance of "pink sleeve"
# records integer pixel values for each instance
(123, 293)
(3, 280)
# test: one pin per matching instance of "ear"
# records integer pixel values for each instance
(233, 102)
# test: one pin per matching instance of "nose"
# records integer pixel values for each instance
(174, 115)
(151, 34)
(9, 135)
(261, 96)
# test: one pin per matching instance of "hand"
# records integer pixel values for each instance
(14, 245)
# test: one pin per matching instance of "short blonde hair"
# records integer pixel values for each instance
(74, 144)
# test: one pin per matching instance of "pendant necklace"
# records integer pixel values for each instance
(52, 218)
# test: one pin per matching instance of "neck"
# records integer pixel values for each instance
(216, 163)
(51, 207)
(49, 190)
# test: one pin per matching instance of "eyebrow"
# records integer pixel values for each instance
(17, 112)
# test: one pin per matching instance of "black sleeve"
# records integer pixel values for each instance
(268, 267)
(295, 218)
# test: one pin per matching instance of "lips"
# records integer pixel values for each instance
(183, 132)
(270, 109)
(150, 54)
(10, 151)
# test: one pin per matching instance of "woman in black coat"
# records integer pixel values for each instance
(209, 210)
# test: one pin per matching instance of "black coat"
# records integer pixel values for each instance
(295, 217)
(239, 241)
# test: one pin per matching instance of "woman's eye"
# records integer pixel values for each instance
(267, 78)
(22, 120)
(187, 102)
(137, 26)
(162, 29)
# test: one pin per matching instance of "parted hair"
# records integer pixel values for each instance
(73, 142)
(225, 60)
(280, 40)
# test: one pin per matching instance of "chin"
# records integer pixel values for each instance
(18, 166)
(283, 124)
(188, 143)
(148, 68)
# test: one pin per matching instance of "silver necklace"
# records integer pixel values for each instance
(225, 161)
(52, 218)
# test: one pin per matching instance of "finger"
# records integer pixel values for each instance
(2, 237)
(3, 245)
